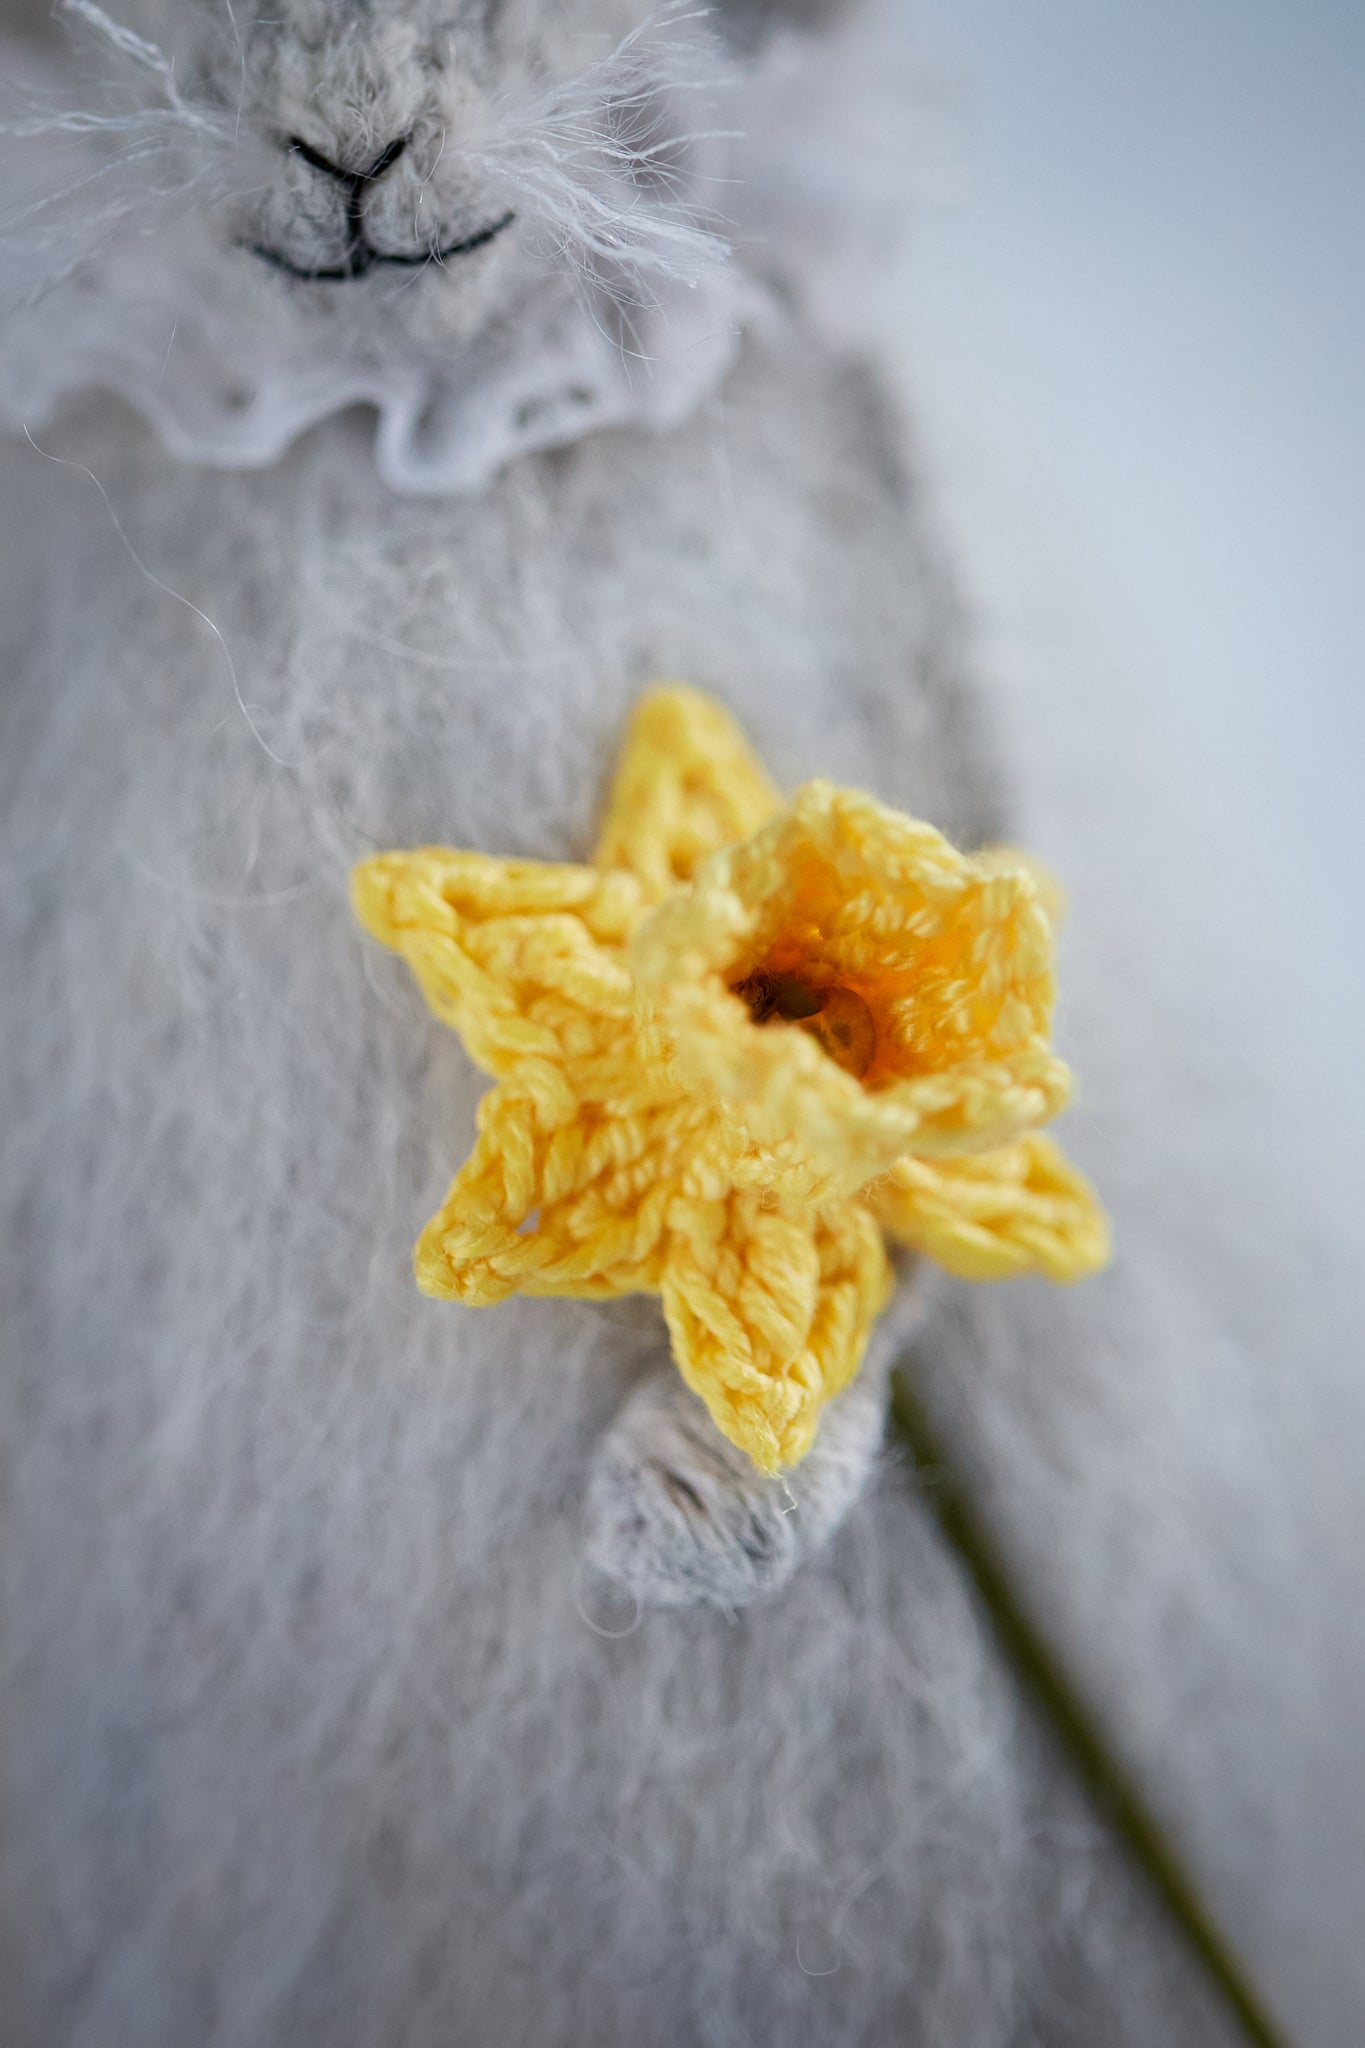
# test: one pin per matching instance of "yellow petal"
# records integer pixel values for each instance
(562, 1195)
(1021, 1209)
(770, 1309)
(512, 954)
(687, 785)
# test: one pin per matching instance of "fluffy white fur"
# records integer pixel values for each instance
(320, 1723)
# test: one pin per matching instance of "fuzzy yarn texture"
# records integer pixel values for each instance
(318, 1726)
(307, 1737)
(653, 1130)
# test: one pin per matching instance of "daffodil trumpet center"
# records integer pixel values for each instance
(837, 1018)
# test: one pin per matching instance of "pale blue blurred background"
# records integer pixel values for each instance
(1133, 341)
(1133, 345)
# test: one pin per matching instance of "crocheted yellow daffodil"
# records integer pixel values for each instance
(730, 1054)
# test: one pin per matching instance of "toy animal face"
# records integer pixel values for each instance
(502, 224)
(487, 220)
(376, 200)
(392, 167)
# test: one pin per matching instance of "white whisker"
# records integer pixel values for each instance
(66, 462)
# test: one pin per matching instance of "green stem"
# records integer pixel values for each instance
(1043, 1676)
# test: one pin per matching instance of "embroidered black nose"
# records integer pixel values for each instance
(359, 255)
(383, 162)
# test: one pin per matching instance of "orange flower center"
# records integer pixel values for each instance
(836, 1018)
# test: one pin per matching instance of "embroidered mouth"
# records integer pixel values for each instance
(362, 257)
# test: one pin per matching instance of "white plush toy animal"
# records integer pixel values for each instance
(395, 388)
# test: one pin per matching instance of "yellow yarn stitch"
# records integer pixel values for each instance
(730, 1054)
